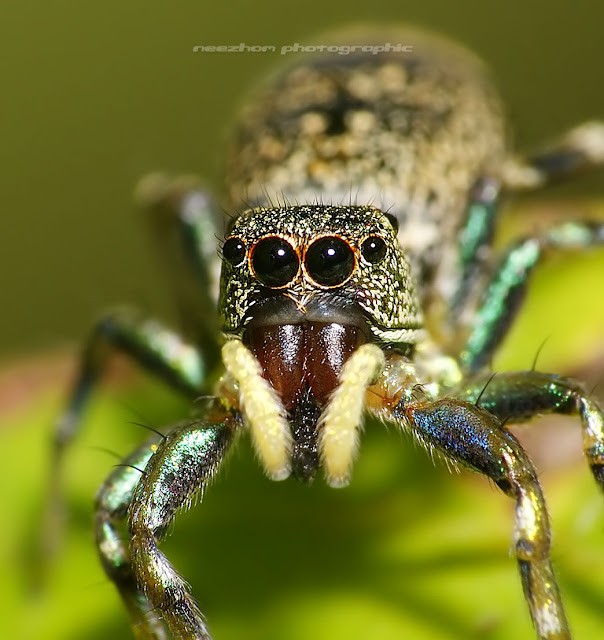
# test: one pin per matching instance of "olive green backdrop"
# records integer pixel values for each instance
(94, 95)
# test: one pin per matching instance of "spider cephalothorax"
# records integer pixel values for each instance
(315, 262)
(330, 316)
(304, 287)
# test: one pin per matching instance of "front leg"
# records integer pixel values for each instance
(474, 438)
(157, 598)
(111, 508)
(149, 344)
(519, 396)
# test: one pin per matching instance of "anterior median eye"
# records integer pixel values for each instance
(233, 251)
(274, 261)
(373, 249)
(329, 261)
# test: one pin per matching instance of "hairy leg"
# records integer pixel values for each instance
(111, 508)
(155, 349)
(520, 396)
(181, 467)
(185, 223)
(474, 241)
(579, 150)
(470, 436)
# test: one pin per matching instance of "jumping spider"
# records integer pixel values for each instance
(358, 282)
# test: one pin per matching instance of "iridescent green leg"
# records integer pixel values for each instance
(474, 239)
(148, 343)
(184, 463)
(507, 287)
(186, 224)
(111, 507)
(470, 436)
(579, 150)
(520, 396)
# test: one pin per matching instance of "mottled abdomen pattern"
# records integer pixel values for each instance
(408, 132)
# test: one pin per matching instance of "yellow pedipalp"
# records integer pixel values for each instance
(263, 410)
(340, 422)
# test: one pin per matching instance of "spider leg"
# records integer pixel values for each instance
(507, 287)
(474, 240)
(178, 471)
(470, 436)
(157, 349)
(148, 343)
(111, 508)
(520, 396)
(186, 224)
(579, 150)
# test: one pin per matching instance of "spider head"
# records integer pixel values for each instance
(303, 287)
(289, 265)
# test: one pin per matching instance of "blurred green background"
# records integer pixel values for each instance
(96, 95)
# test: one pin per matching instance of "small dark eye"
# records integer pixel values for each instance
(393, 220)
(274, 261)
(373, 249)
(233, 251)
(329, 261)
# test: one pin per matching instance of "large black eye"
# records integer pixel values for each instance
(329, 261)
(233, 251)
(373, 249)
(274, 261)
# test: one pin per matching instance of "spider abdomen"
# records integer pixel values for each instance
(409, 132)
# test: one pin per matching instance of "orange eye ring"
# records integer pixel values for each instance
(274, 262)
(330, 261)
